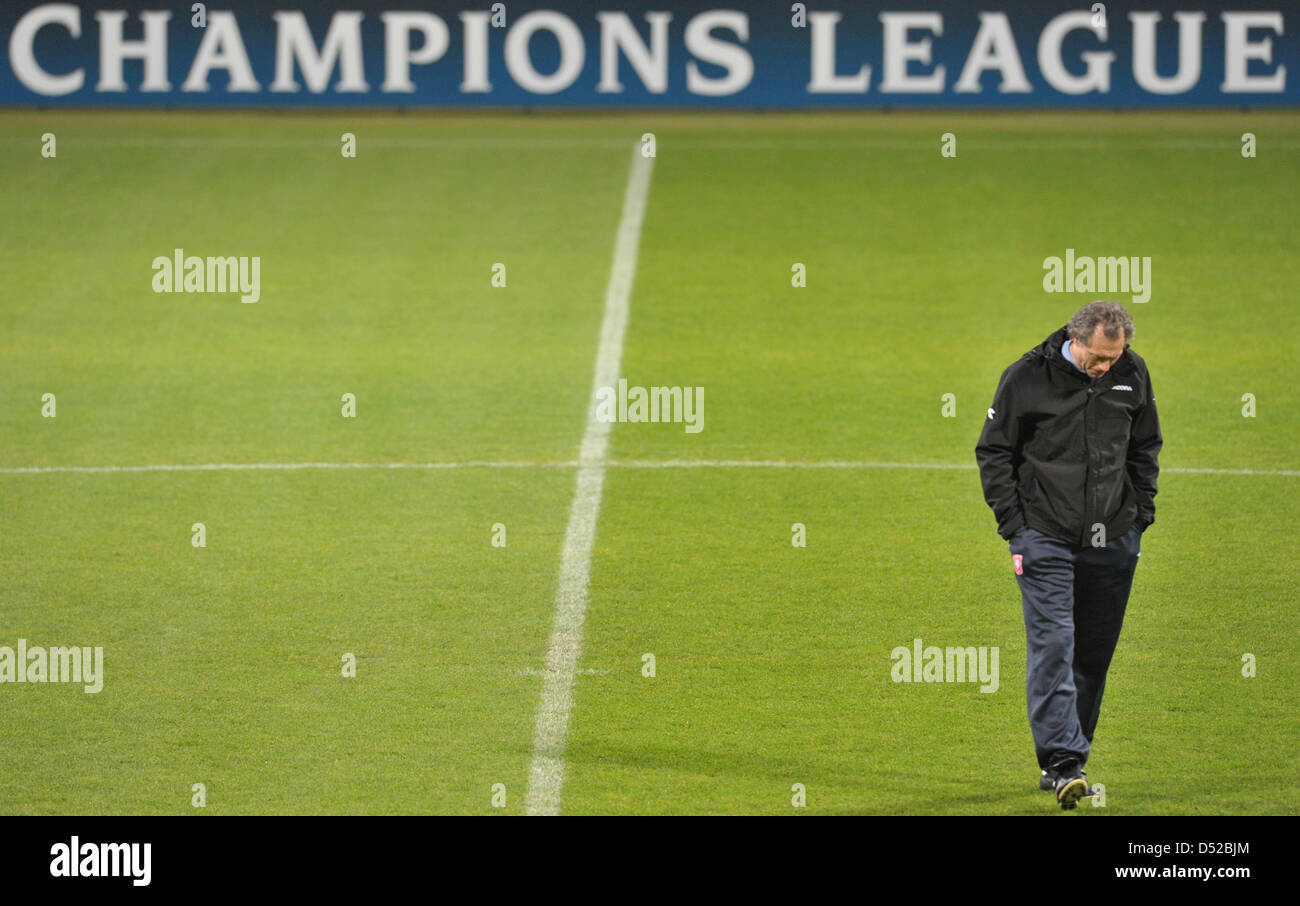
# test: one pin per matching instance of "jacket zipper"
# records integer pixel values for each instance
(1087, 467)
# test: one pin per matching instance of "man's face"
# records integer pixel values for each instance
(1098, 354)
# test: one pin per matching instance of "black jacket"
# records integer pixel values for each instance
(1062, 452)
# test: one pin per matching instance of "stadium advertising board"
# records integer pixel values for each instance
(581, 54)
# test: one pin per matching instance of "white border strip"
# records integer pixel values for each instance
(546, 774)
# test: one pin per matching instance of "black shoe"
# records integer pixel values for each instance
(1047, 782)
(1070, 785)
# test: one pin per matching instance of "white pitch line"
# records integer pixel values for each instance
(569, 464)
(546, 773)
(286, 466)
(779, 464)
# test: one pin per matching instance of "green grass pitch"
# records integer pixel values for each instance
(223, 664)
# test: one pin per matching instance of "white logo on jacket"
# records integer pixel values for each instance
(1122, 387)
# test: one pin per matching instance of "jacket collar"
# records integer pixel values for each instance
(1050, 349)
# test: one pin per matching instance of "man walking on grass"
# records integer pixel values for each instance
(1068, 461)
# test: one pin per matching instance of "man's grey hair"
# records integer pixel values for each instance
(1110, 316)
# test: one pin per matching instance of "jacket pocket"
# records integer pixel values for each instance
(1033, 490)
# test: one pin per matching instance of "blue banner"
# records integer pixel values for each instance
(943, 53)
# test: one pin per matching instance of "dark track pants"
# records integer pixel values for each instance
(1074, 600)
